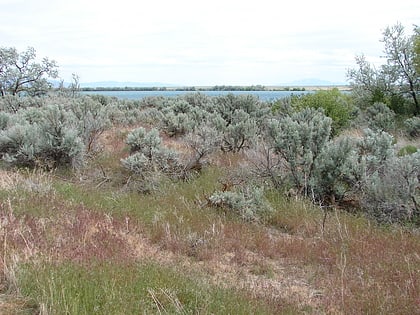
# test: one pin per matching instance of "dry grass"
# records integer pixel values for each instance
(345, 265)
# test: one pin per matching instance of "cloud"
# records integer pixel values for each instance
(197, 42)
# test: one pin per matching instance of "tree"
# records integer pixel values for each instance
(417, 49)
(20, 72)
(369, 85)
(400, 66)
(393, 83)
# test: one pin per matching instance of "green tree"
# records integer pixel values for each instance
(400, 67)
(369, 85)
(336, 105)
(417, 49)
(20, 72)
(394, 83)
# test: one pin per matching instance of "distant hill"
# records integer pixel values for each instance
(117, 84)
(314, 82)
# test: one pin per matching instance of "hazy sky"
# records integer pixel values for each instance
(188, 42)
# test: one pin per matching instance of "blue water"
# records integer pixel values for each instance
(262, 95)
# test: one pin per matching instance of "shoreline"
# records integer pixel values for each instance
(296, 88)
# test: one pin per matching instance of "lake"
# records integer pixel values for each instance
(262, 95)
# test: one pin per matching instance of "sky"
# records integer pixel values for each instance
(201, 43)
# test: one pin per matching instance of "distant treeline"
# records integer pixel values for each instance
(194, 88)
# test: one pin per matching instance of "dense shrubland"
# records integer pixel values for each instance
(300, 146)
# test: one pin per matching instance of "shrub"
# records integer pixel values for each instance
(266, 163)
(4, 120)
(412, 127)
(394, 195)
(149, 159)
(374, 149)
(240, 132)
(227, 105)
(61, 142)
(335, 104)
(408, 149)
(249, 202)
(92, 119)
(299, 140)
(19, 144)
(380, 117)
(198, 100)
(177, 124)
(177, 117)
(13, 103)
(202, 142)
(48, 139)
(146, 142)
(334, 170)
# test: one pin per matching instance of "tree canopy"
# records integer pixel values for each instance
(20, 72)
(395, 83)
(417, 49)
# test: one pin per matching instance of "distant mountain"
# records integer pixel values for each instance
(314, 82)
(110, 84)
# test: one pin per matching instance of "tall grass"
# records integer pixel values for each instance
(74, 250)
(128, 289)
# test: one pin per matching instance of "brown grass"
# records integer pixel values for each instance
(346, 266)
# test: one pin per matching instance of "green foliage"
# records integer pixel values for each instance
(400, 104)
(408, 149)
(399, 49)
(132, 289)
(369, 86)
(336, 105)
(395, 83)
(417, 48)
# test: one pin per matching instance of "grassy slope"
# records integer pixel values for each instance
(83, 245)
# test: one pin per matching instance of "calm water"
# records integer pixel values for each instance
(262, 95)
